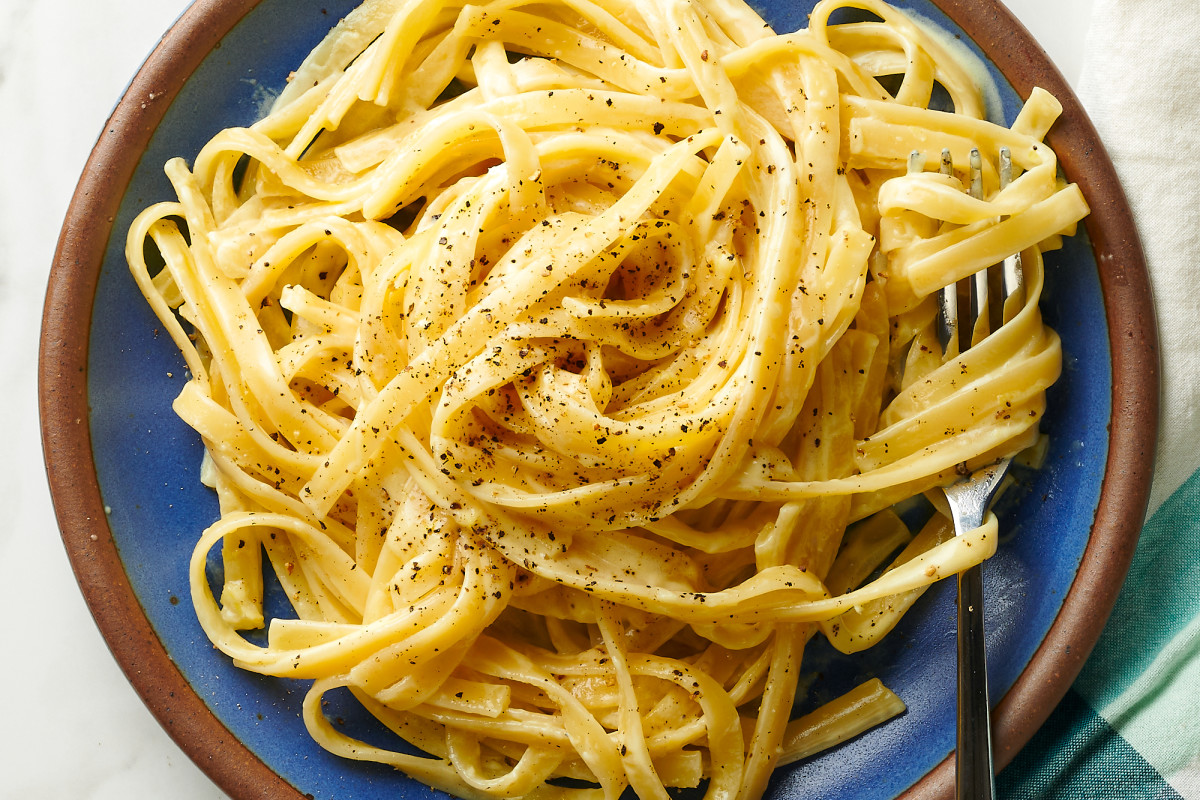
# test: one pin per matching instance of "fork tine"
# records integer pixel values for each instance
(978, 326)
(916, 162)
(948, 296)
(1012, 271)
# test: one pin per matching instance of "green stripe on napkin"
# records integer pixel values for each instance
(1078, 756)
(1133, 715)
(1144, 675)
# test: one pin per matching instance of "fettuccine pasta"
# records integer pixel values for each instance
(567, 361)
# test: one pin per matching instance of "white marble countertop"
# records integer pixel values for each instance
(73, 727)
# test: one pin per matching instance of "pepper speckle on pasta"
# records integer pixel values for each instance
(566, 361)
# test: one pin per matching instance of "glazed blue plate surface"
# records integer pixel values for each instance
(148, 465)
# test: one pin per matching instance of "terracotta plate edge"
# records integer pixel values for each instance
(63, 407)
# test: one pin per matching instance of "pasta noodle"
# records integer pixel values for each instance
(566, 362)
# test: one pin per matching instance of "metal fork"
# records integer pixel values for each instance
(969, 499)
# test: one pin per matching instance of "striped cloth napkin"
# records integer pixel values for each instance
(1130, 726)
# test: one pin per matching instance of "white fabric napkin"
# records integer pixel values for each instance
(1138, 84)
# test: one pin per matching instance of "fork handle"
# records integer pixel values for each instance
(975, 777)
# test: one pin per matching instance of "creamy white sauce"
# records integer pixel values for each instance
(981, 76)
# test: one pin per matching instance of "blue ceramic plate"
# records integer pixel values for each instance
(130, 524)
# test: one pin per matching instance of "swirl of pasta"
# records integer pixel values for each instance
(566, 360)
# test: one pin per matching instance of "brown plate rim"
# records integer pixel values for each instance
(62, 398)
(63, 408)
